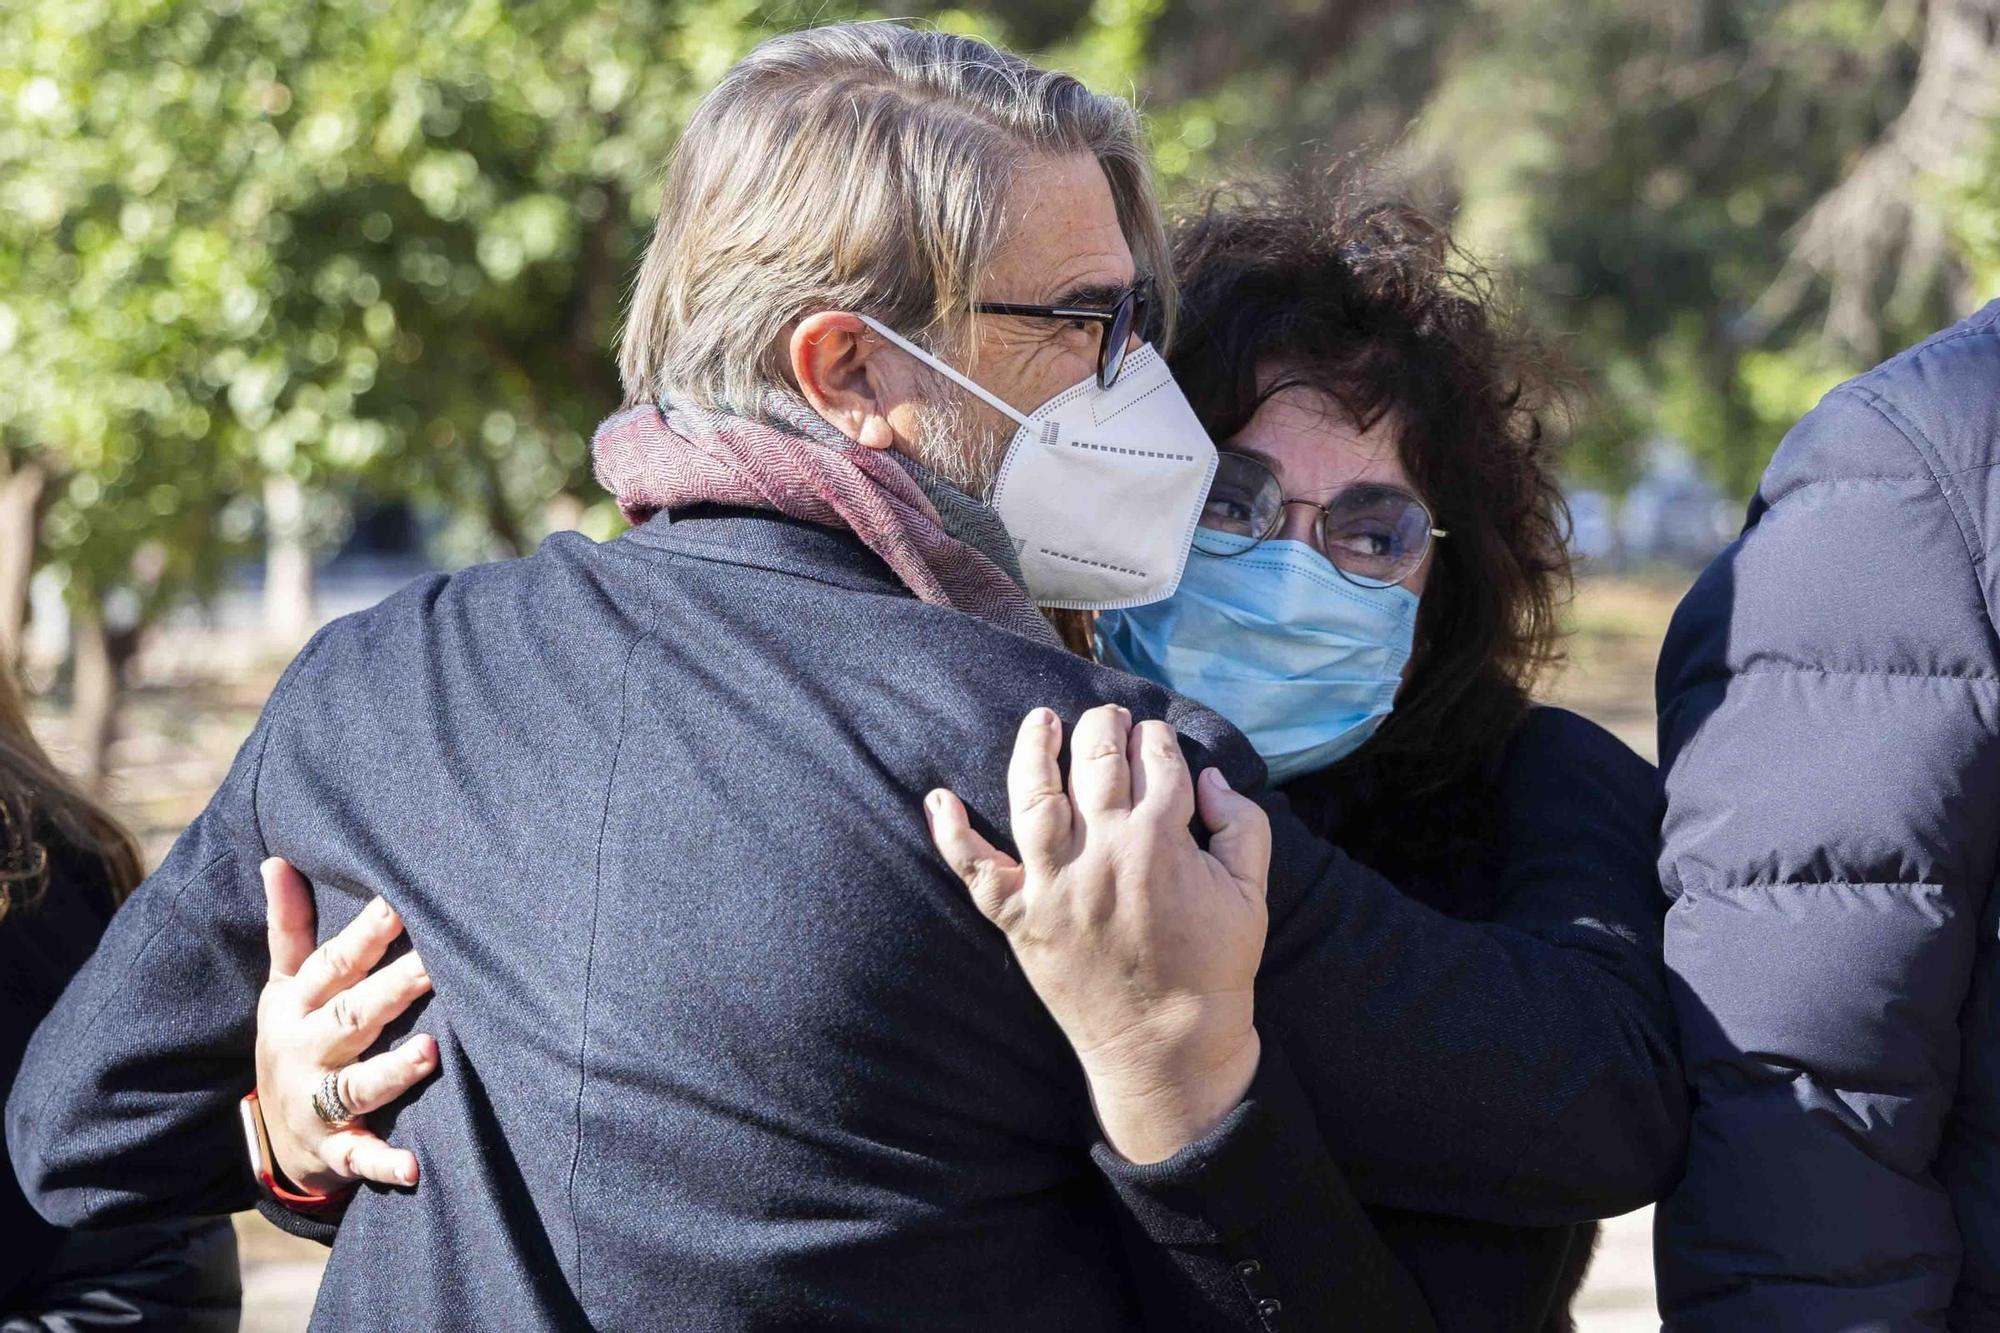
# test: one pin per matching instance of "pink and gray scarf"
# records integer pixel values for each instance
(653, 457)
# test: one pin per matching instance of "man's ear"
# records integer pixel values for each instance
(838, 364)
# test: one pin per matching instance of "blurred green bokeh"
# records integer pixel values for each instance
(379, 247)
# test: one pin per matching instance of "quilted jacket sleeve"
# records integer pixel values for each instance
(1828, 709)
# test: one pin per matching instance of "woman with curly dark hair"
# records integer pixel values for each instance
(65, 865)
(1372, 597)
(1381, 418)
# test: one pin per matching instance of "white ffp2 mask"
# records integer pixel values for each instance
(1100, 489)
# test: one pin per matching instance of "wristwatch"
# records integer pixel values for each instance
(265, 1167)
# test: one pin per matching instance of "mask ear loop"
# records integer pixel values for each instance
(991, 400)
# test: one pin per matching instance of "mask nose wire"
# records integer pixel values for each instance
(993, 401)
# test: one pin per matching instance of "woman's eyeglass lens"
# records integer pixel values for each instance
(1375, 535)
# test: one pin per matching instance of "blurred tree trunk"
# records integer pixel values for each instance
(21, 485)
(582, 346)
(503, 525)
(1873, 241)
(288, 563)
(98, 688)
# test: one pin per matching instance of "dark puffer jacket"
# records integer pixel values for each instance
(1830, 726)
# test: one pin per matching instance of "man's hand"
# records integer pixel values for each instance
(1144, 947)
(321, 1009)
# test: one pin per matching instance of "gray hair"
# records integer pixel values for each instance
(857, 167)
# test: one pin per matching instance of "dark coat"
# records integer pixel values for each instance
(724, 1045)
(1830, 729)
(1563, 825)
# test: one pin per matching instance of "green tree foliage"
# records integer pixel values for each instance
(1643, 170)
(128, 270)
(1972, 201)
(381, 245)
(482, 178)
(1659, 184)
(355, 243)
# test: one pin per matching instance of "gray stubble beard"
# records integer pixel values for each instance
(957, 445)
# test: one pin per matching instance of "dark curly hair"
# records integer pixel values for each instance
(1371, 304)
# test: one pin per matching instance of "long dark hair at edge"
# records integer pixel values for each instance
(39, 805)
(1371, 304)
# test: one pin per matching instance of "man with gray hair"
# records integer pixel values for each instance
(719, 1042)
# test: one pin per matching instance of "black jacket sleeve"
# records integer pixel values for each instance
(321, 1228)
(1252, 1227)
(1520, 1070)
(180, 1275)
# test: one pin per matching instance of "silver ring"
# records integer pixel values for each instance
(328, 1104)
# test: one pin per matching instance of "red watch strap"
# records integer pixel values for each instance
(265, 1168)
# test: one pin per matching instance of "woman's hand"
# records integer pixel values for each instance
(321, 1009)
(1143, 946)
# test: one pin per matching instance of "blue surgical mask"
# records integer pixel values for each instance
(1305, 663)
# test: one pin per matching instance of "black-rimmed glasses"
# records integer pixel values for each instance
(1376, 535)
(1117, 322)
